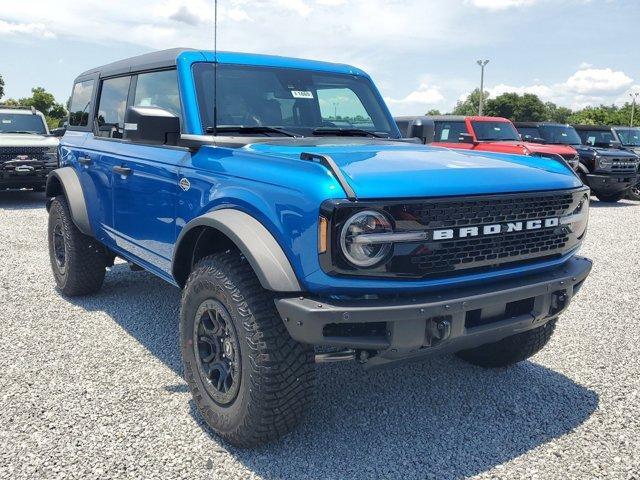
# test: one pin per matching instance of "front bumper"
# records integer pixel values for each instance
(413, 327)
(610, 184)
(25, 177)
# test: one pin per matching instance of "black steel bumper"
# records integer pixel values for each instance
(24, 179)
(610, 184)
(413, 327)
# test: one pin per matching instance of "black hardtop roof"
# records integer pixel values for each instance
(537, 124)
(148, 61)
(597, 128)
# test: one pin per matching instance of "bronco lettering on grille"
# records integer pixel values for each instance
(495, 229)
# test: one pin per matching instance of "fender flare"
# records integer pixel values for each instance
(65, 181)
(582, 169)
(255, 242)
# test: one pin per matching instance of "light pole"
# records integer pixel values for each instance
(482, 63)
(634, 97)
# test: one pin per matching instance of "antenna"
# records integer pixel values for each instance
(215, 68)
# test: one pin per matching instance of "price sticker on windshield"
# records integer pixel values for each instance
(302, 94)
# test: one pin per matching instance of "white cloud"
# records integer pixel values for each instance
(501, 4)
(34, 29)
(587, 86)
(418, 101)
(593, 80)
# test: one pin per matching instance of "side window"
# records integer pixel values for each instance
(159, 89)
(112, 106)
(80, 104)
(449, 131)
(342, 107)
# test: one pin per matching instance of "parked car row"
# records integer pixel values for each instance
(605, 158)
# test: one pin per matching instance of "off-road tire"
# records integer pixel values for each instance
(612, 198)
(277, 373)
(85, 259)
(510, 350)
(634, 192)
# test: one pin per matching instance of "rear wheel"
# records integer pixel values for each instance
(510, 350)
(612, 197)
(77, 260)
(250, 380)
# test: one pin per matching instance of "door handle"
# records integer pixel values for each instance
(124, 171)
(85, 160)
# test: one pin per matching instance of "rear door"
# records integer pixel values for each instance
(77, 150)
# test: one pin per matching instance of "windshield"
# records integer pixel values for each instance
(559, 134)
(495, 131)
(600, 138)
(21, 123)
(299, 102)
(629, 137)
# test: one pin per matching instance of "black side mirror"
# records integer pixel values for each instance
(466, 138)
(58, 132)
(417, 127)
(616, 144)
(151, 125)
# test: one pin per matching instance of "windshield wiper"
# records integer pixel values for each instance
(347, 132)
(250, 129)
(18, 131)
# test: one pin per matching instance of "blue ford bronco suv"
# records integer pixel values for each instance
(279, 196)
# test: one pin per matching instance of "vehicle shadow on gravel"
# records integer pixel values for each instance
(621, 204)
(441, 418)
(22, 200)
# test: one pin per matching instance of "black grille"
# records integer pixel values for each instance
(623, 165)
(523, 235)
(480, 211)
(22, 150)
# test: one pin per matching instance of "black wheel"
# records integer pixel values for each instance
(250, 380)
(77, 260)
(634, 192)
(510, 350)
(612, 197)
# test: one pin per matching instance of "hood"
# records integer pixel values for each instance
(603, 152)
(540, 147)
(27, 140)
(384, 169)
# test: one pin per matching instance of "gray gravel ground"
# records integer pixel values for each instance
(92, 387)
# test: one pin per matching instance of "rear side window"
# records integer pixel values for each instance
(449, 131)
(159, 89)
(529, 131)
(80, 104)
(112, 107)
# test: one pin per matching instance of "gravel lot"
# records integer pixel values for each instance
(92, 387)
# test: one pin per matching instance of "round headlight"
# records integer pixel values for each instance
(358, 247)
(604, 162)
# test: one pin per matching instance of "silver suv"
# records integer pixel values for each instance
(28, 152)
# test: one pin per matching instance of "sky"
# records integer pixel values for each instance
(421, 53)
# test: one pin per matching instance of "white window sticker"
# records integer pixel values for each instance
(302, 94)
(6, 121)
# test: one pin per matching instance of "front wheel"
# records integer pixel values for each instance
(634, 192)
(611, 197)
(510, 350)
(250, 380)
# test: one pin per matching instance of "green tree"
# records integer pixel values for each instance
(11, 102)
(471, 104)
(517, 108)
(434, 111)
(558, 114)
(45, 102)
(1, 86)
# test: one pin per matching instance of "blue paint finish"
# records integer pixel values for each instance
(141, 216)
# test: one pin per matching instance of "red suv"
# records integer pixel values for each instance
(493, 134)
